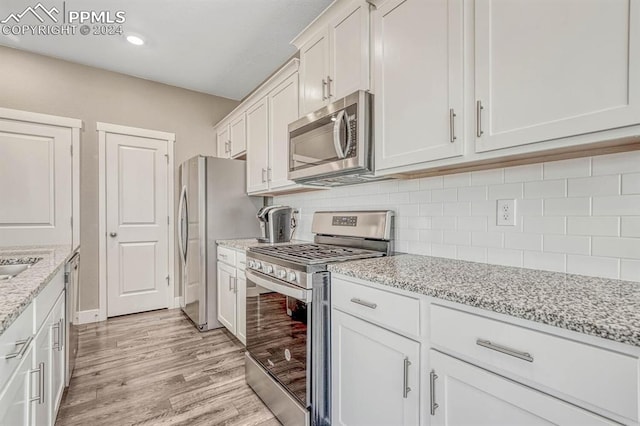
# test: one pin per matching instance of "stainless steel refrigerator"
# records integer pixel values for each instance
(213, 205)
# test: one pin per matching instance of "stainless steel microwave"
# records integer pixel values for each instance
(332, 146)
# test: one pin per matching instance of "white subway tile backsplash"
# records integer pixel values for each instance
(575, 167)
(544, 224)
(487, 177)
(631, 183)
(593, 225)
(567, 206)
(547, 261)
(523, 241)
(630, 270)
(573, 244)
(624, 162)
(456, 181)
(525, 173)
(630, 226)
(545, 189)
(505, 191)
(626, 248)
(623, 205)
(506, 257)
(593, 266)
(591, 186)
(561, 207)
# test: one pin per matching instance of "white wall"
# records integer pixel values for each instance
(579, 216)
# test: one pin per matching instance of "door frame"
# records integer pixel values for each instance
(170, 138)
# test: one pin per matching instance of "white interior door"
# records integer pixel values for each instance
(136, 224)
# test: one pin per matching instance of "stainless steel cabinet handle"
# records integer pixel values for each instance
(56, 341)
(432, 390)
(264, 173)
(505, 350)
(23, 345)
(405, 380)
(269, 174)
(479, 109)
(230, 283)
(329, 81)
(364, 303)
(40, 371)
(324, 90)
(229, 146)
(62, 334)
(113, 234)
(235, 284)
(452, 125)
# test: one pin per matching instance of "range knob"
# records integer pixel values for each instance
(268, 269)
(281, 273)
(258, 266)
(291, 276)
(251, 264)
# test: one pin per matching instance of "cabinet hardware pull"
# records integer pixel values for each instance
(405, 381)
(324, 90)
(235, 285)
(479, 109)
(329, 81)
(264, 172)
(452, 125)
(230, 283)
(364, 303)
(432, 390)
(40, 371)
(62, 334)
(505, 350)
(56, 341)
(24, 344)
(269, 174)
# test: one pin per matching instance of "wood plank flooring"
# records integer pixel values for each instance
(155, 368)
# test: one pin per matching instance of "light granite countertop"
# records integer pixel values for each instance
(18, 292)
(245, 243)
(596, 306)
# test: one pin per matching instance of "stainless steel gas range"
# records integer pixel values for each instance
(288, 311)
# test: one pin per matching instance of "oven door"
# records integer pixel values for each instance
(278, 327)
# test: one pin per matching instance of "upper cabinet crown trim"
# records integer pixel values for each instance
(35, 117)
(327, 15)
(135, 131)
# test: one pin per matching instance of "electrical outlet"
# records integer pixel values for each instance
(506, 213)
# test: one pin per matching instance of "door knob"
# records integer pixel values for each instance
(113, 234)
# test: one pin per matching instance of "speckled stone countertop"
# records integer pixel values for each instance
(18, 292)
(596, 306)
(245, 243)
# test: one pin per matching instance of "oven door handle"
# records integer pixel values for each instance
(280, 287)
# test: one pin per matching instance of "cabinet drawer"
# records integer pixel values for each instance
(227, 255)
(15, 340)
(392, 310)
(241, 260)
(47, 298)
(598, 376)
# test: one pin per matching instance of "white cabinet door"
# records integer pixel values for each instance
(15, 408)
(349, 52)
(36, 194)
(283, 109)
(314, 71)
(551, 69)
(227, 296)
(419, 91)
(257, 146)
(222, 138)
(58, 316)
(238, 136)
(375, 374)
(468, 395)
(241, 301)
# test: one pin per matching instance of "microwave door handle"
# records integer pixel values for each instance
(336, 135)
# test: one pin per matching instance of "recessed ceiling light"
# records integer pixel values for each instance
(135, 40)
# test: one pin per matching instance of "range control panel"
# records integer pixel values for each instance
(345, 221)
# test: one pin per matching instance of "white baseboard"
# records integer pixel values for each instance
(86, 317)
(177, 302)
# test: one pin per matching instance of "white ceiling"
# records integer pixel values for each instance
(220, 47)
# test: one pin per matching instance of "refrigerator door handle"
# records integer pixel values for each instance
(182, 229)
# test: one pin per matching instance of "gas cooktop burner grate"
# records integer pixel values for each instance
(315, 253)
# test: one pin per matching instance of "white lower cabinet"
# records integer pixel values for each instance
(232, 291)
(463, 394)
(227, 296)
(241, 293)
(14, 400)
(375, 374)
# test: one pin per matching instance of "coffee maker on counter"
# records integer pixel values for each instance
(275, 224)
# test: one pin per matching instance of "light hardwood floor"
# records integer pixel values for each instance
(155, 368)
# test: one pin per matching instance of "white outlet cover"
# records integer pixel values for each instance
(506, 213)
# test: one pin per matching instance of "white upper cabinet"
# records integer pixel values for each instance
(552, 69)
(334, 55)
(283, 109)
(257, 146)
(418, 81)
(237, 136)
(222, 138)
